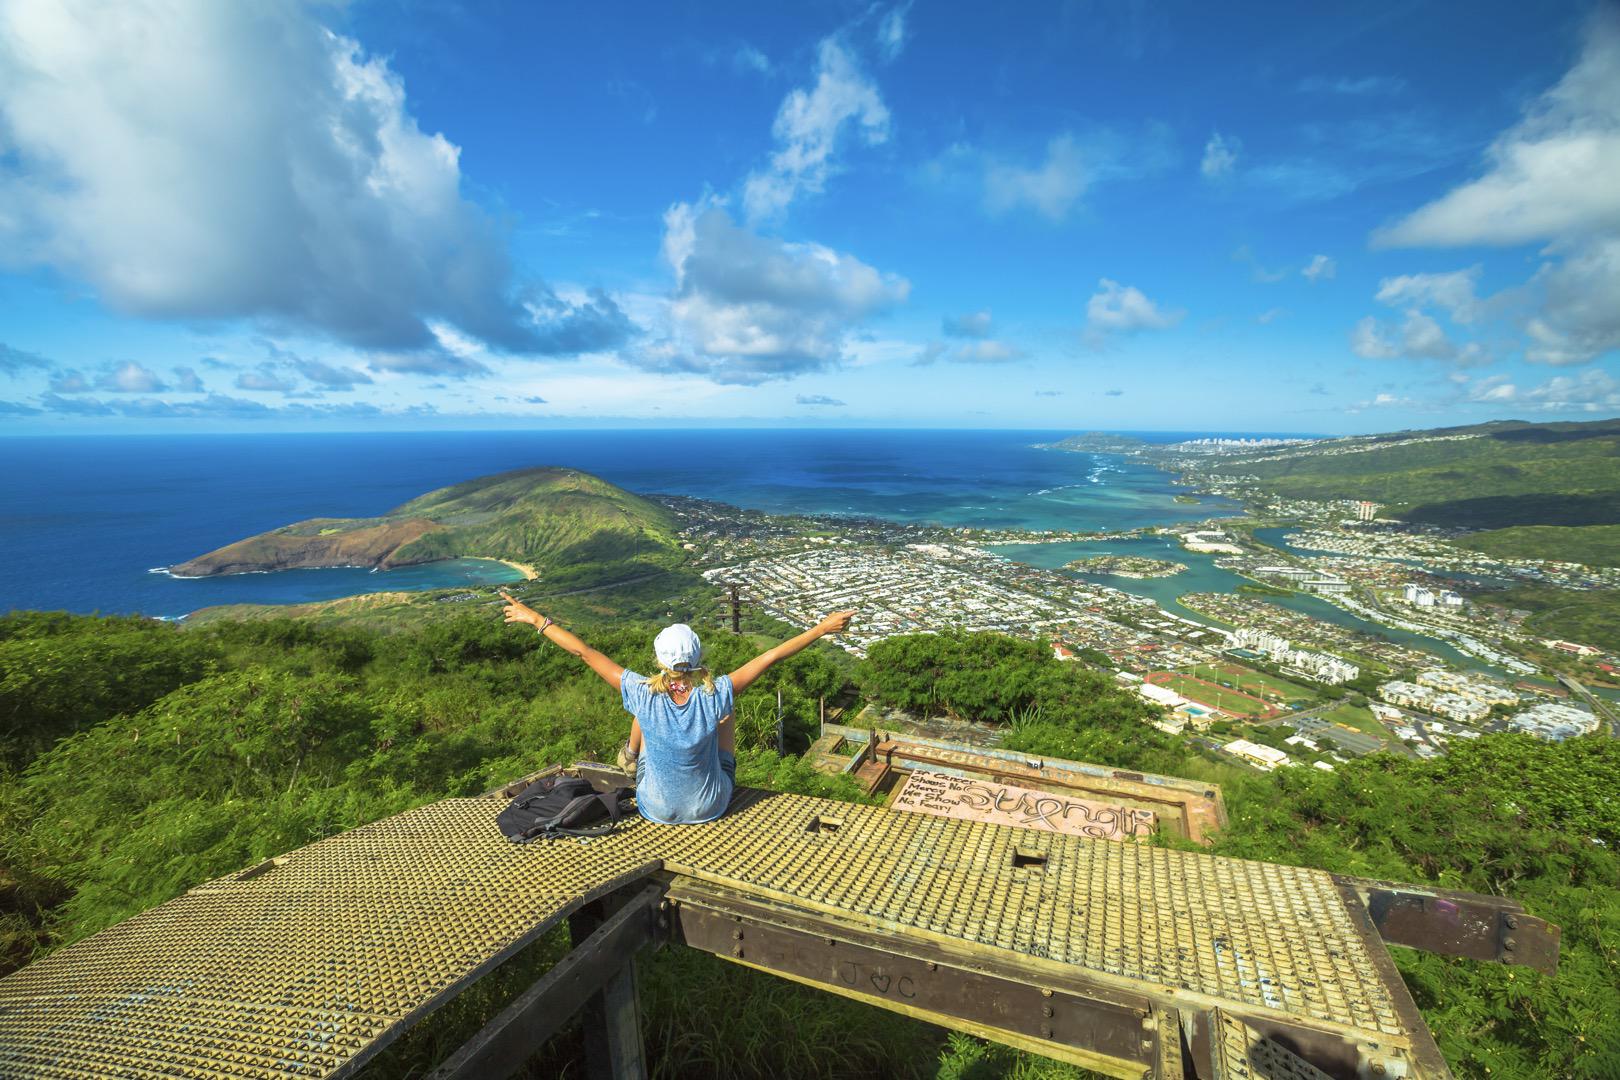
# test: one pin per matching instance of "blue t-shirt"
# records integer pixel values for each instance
(682, 775)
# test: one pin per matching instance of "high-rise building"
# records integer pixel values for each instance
(1366, 510)
(1417, 594)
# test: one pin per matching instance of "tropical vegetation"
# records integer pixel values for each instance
(569, 526)
(140, 759)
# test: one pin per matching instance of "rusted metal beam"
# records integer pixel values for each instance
(1452, 923)
(598, 961)
(610, 1019)
(1073, 1019)
(1111, 1033)
(1424, 1058)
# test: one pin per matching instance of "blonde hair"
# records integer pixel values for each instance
(698, 676)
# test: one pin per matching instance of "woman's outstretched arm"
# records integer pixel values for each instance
(744, 677)
(517, 612)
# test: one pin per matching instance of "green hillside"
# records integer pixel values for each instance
(1591, 545)
(193, 751)
(1489, 476)
(567, 525)
(1589, 616)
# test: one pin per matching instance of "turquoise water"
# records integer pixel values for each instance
(1202, 575)
(122, 504)
(1273, 537)
(307, 586)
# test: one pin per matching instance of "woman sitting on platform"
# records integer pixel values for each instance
(683, 740)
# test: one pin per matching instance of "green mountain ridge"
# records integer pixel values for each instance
(565, 524)
(1497, 475)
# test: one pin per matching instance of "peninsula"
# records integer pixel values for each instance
(557, 522)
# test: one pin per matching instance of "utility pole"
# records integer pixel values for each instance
(781, 749)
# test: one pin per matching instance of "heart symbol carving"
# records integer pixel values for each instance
(881, 981)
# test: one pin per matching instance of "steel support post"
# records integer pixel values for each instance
(596, 979)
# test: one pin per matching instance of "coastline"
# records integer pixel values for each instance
(529, 573)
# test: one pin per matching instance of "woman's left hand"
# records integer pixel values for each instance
(519, 612)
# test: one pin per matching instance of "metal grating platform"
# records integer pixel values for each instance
(1242, 1053)
(310, 963)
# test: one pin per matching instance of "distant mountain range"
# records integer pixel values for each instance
(566, 525)
(1494, 475)
(1548, 491)
(1534, 490)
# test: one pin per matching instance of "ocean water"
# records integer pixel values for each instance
(83, 520)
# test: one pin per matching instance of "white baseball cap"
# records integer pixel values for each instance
(678, 648)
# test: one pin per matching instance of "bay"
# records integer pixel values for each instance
(83, 519)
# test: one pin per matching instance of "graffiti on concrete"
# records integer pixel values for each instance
(944, 795)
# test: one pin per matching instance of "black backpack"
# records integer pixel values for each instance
(561, 806)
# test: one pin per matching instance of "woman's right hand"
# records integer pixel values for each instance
(519, 612)
(836, 623)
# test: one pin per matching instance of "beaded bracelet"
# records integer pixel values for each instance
(542, 627)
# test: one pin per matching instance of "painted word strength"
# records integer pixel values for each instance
(944, 795)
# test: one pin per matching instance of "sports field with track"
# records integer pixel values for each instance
(1214, 695)
(1249, 681)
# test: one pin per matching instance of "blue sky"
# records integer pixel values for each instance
(389, 214)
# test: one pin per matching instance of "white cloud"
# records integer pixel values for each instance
(1593, 390)
(192, 159)
(1220, 156)
(16, 361)
(974, 325)
(186, 381)
(1269, 316)
(816, 399)
(131, 378)
(1551, 178)
(1366, 86)
(1320, 268)
(1124, 309)
(1261, 273)
(1421, 337)
(1050, 188)
(749, 308)
(987, 352)
(217, 406)
(891, 32)
(1369, 341)
(1580, 311)
(748, 58)
(808, 128)
(1454, 291)
(69, 381)
(266, 377)
(330, 376)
